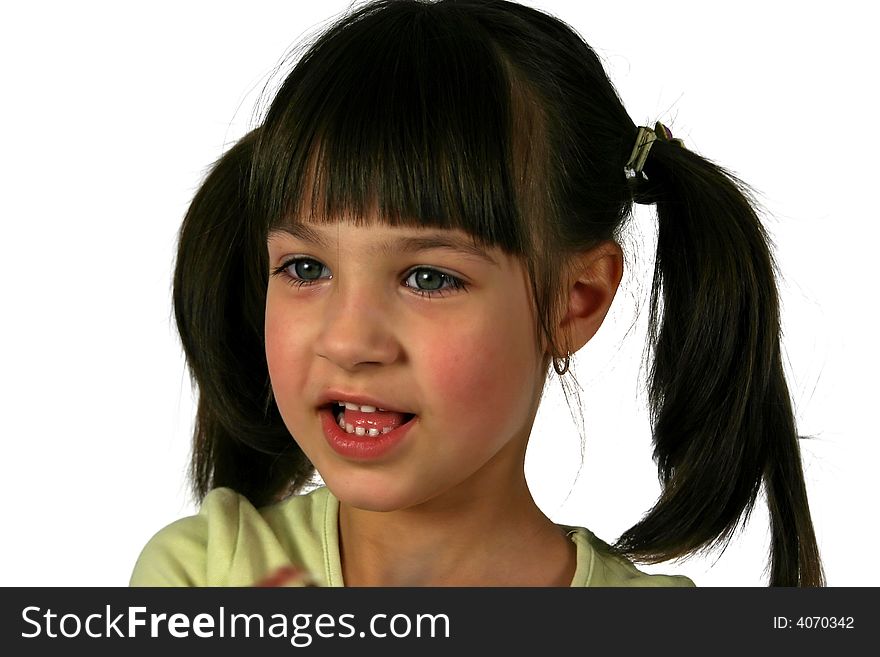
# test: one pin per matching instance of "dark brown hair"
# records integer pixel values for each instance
(499, 120)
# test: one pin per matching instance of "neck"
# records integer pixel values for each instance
(489, 540)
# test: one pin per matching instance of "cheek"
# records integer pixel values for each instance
(283, 350)
(274, 339)
(485, 370)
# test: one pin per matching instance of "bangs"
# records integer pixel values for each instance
(408, 116)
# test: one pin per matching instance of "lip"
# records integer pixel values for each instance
(361, 448)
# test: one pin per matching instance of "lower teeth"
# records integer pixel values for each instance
(359, 431)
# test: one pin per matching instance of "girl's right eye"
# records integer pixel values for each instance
(300, 271)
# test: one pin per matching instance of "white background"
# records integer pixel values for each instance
(111, 114)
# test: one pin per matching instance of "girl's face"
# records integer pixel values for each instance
(377, 311)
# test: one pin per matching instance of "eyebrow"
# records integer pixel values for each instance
(397, 245)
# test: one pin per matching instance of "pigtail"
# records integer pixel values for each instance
(722, 417)
(239, 438)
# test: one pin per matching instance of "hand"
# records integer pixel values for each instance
(288, 576)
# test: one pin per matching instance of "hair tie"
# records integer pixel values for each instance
(644, 140)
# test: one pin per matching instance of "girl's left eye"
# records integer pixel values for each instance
(433, 279)
(300, 271)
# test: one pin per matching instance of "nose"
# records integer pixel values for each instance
(357, 327)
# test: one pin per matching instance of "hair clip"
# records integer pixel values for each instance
(644, 140)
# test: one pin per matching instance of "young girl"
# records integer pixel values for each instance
(375, 283)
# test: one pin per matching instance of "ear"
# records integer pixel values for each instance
(592, 283)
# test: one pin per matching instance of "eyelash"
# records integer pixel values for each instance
(454, 283)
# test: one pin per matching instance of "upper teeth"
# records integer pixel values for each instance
(356, 407)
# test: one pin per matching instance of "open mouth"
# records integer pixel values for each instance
(368, 423)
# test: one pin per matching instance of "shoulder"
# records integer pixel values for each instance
(229, 542)
(600, 565)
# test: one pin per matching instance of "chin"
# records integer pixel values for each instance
(370, 496)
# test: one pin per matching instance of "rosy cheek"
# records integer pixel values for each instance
(282, 353)
(273, 342)
(482, 368)
(470, 377)
(449, 375)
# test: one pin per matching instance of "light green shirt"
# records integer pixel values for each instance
(231, 543)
